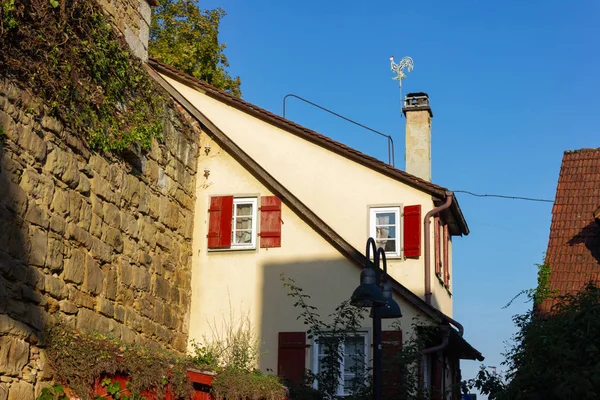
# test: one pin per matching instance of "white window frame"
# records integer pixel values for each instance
(315, 364)
(244, 200)
(373, 211)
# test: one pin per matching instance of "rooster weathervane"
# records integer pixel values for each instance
(405, 63)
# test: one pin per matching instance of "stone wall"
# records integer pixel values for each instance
(131, 18)
(89, 239)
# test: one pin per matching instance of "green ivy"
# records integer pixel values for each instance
(72, 59)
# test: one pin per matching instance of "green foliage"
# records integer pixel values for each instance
(186, 37)
(331, 333)
(55, 392)
(78, 359)
(556, 356)
(538, 294)
(8, 20)
(70, 57)
(236, 384)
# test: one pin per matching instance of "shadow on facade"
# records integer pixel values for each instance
(21, 314)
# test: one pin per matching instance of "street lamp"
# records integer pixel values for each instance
(378, 296)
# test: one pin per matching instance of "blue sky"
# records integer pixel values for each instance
(512, 84)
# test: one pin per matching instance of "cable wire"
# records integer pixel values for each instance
(504, 197)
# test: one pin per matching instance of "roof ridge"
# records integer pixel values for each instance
(583, 150)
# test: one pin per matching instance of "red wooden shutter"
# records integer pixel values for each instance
(412, 231)
(270, 221)
(219, 222)
(446, 241)
(391, 346)
(291, 356)
(436, 245)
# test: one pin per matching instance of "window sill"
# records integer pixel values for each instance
(232, 249)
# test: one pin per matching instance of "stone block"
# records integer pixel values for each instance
(148, 231)
(60, 202)
(97, 206)
(84, 185)
(31, 142)
(141, 278)
(52, 124)
(67, 307)
(38, 186)
(101, 250)
(55, 254)
(105, 307)
(75, 203)
(14, 354)
(80, 236)
(131, 189)
(143, 206)
(113, 237)
(13, 197)
(129, 225)
(62, 164)
(111, 215)
(74, 267)
(81, 299)
(125, 272)
(38, 240)
(85, 215)
(58, 224)
(37, 215)
(132, 319)
(30, 295)
(110, 284)
(3, 391)
(102, 189)
(160, 287)
(99, 164)
(94, 277)
(96, 226)
(55, 287)
(164, 240)
(9, 126)
(20, 391)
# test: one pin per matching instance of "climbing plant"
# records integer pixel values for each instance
(66, 53)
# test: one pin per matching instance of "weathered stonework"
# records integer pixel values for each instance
(85, 239)
(132, 20)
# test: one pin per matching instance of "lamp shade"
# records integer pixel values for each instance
(390, 308)
(368, 293)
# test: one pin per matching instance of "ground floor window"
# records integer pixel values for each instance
(352, 359)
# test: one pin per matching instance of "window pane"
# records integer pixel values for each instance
(243, 237)
(244, 209)
(389, 245)
(388, 232)
(387, 218)
(243, 223)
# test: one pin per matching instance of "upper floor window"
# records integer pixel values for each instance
(441, 251)
(244, 223)
(397, 229)
(233, 222)
(385, 229)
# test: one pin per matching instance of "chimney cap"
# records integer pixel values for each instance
(417, 101)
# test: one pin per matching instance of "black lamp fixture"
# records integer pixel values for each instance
(370, 294)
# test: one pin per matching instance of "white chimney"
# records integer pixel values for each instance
(418, 135)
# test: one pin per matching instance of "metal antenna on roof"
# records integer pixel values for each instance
(407, 63)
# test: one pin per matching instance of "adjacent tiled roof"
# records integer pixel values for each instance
(574, 246)
(434, 190)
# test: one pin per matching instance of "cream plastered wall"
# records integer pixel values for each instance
(227, 285)
(336, 189)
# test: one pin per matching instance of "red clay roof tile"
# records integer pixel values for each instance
(574, 243)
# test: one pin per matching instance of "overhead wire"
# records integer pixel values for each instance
(504, 196)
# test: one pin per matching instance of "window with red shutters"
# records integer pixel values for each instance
(391, 342)
(412, 231)
(291, 356)
(270, 221)
(219, 222)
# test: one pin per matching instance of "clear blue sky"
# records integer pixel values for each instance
(512, 84)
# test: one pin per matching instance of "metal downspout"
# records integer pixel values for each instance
(427, 223)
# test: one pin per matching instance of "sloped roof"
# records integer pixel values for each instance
(296, 205)
(455, 218)
(574, 245)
